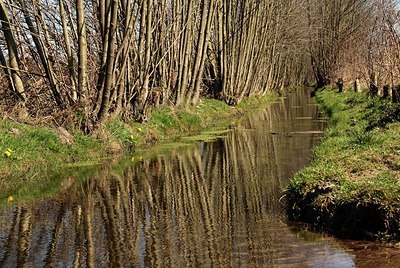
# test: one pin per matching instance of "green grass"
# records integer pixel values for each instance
(32, 169)
(42, 146)
(355, 168)
(168, 124)
(34, 162)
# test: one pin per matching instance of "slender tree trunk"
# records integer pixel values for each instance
(144, 93)
(82, 52)
(68, 49)
(201, 42)
(198, 78)
(108, 82)
(12, 71)
(185, 51)
(44, 56)
(6, 69)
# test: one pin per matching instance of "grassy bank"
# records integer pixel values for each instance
(352, 185)
(34, 157)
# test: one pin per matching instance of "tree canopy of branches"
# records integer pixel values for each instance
(94, 59)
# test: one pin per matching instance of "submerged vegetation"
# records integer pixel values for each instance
(352, 186)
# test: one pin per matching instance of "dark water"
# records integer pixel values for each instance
(215, 204)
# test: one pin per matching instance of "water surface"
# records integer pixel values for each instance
(214, 204)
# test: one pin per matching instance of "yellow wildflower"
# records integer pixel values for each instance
(10, 198)
(139, 129)
(8, 152)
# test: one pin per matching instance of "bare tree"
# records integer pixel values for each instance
(334, 28)
(43, 52)
(68, 49)
(149, 53)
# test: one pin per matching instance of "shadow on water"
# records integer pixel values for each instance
(215, 204)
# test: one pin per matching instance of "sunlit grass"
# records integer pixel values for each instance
(30, 152)
(34, 161)
(358, 162)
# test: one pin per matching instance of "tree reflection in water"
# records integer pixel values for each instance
(215, 204)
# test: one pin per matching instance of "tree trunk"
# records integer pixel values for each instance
(43, 54)
(12, 71)
(192, 93)
(140, 112)
(108, 82)
(185, 51)
(82, 52)
(68, 48)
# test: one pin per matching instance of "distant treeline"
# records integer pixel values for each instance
(92, 59)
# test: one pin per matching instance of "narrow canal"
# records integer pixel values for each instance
(213, 204)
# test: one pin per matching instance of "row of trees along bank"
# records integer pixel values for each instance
(86, 60)
(356, 43)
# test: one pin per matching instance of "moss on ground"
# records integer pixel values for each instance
(35, 159)
(352, 185)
